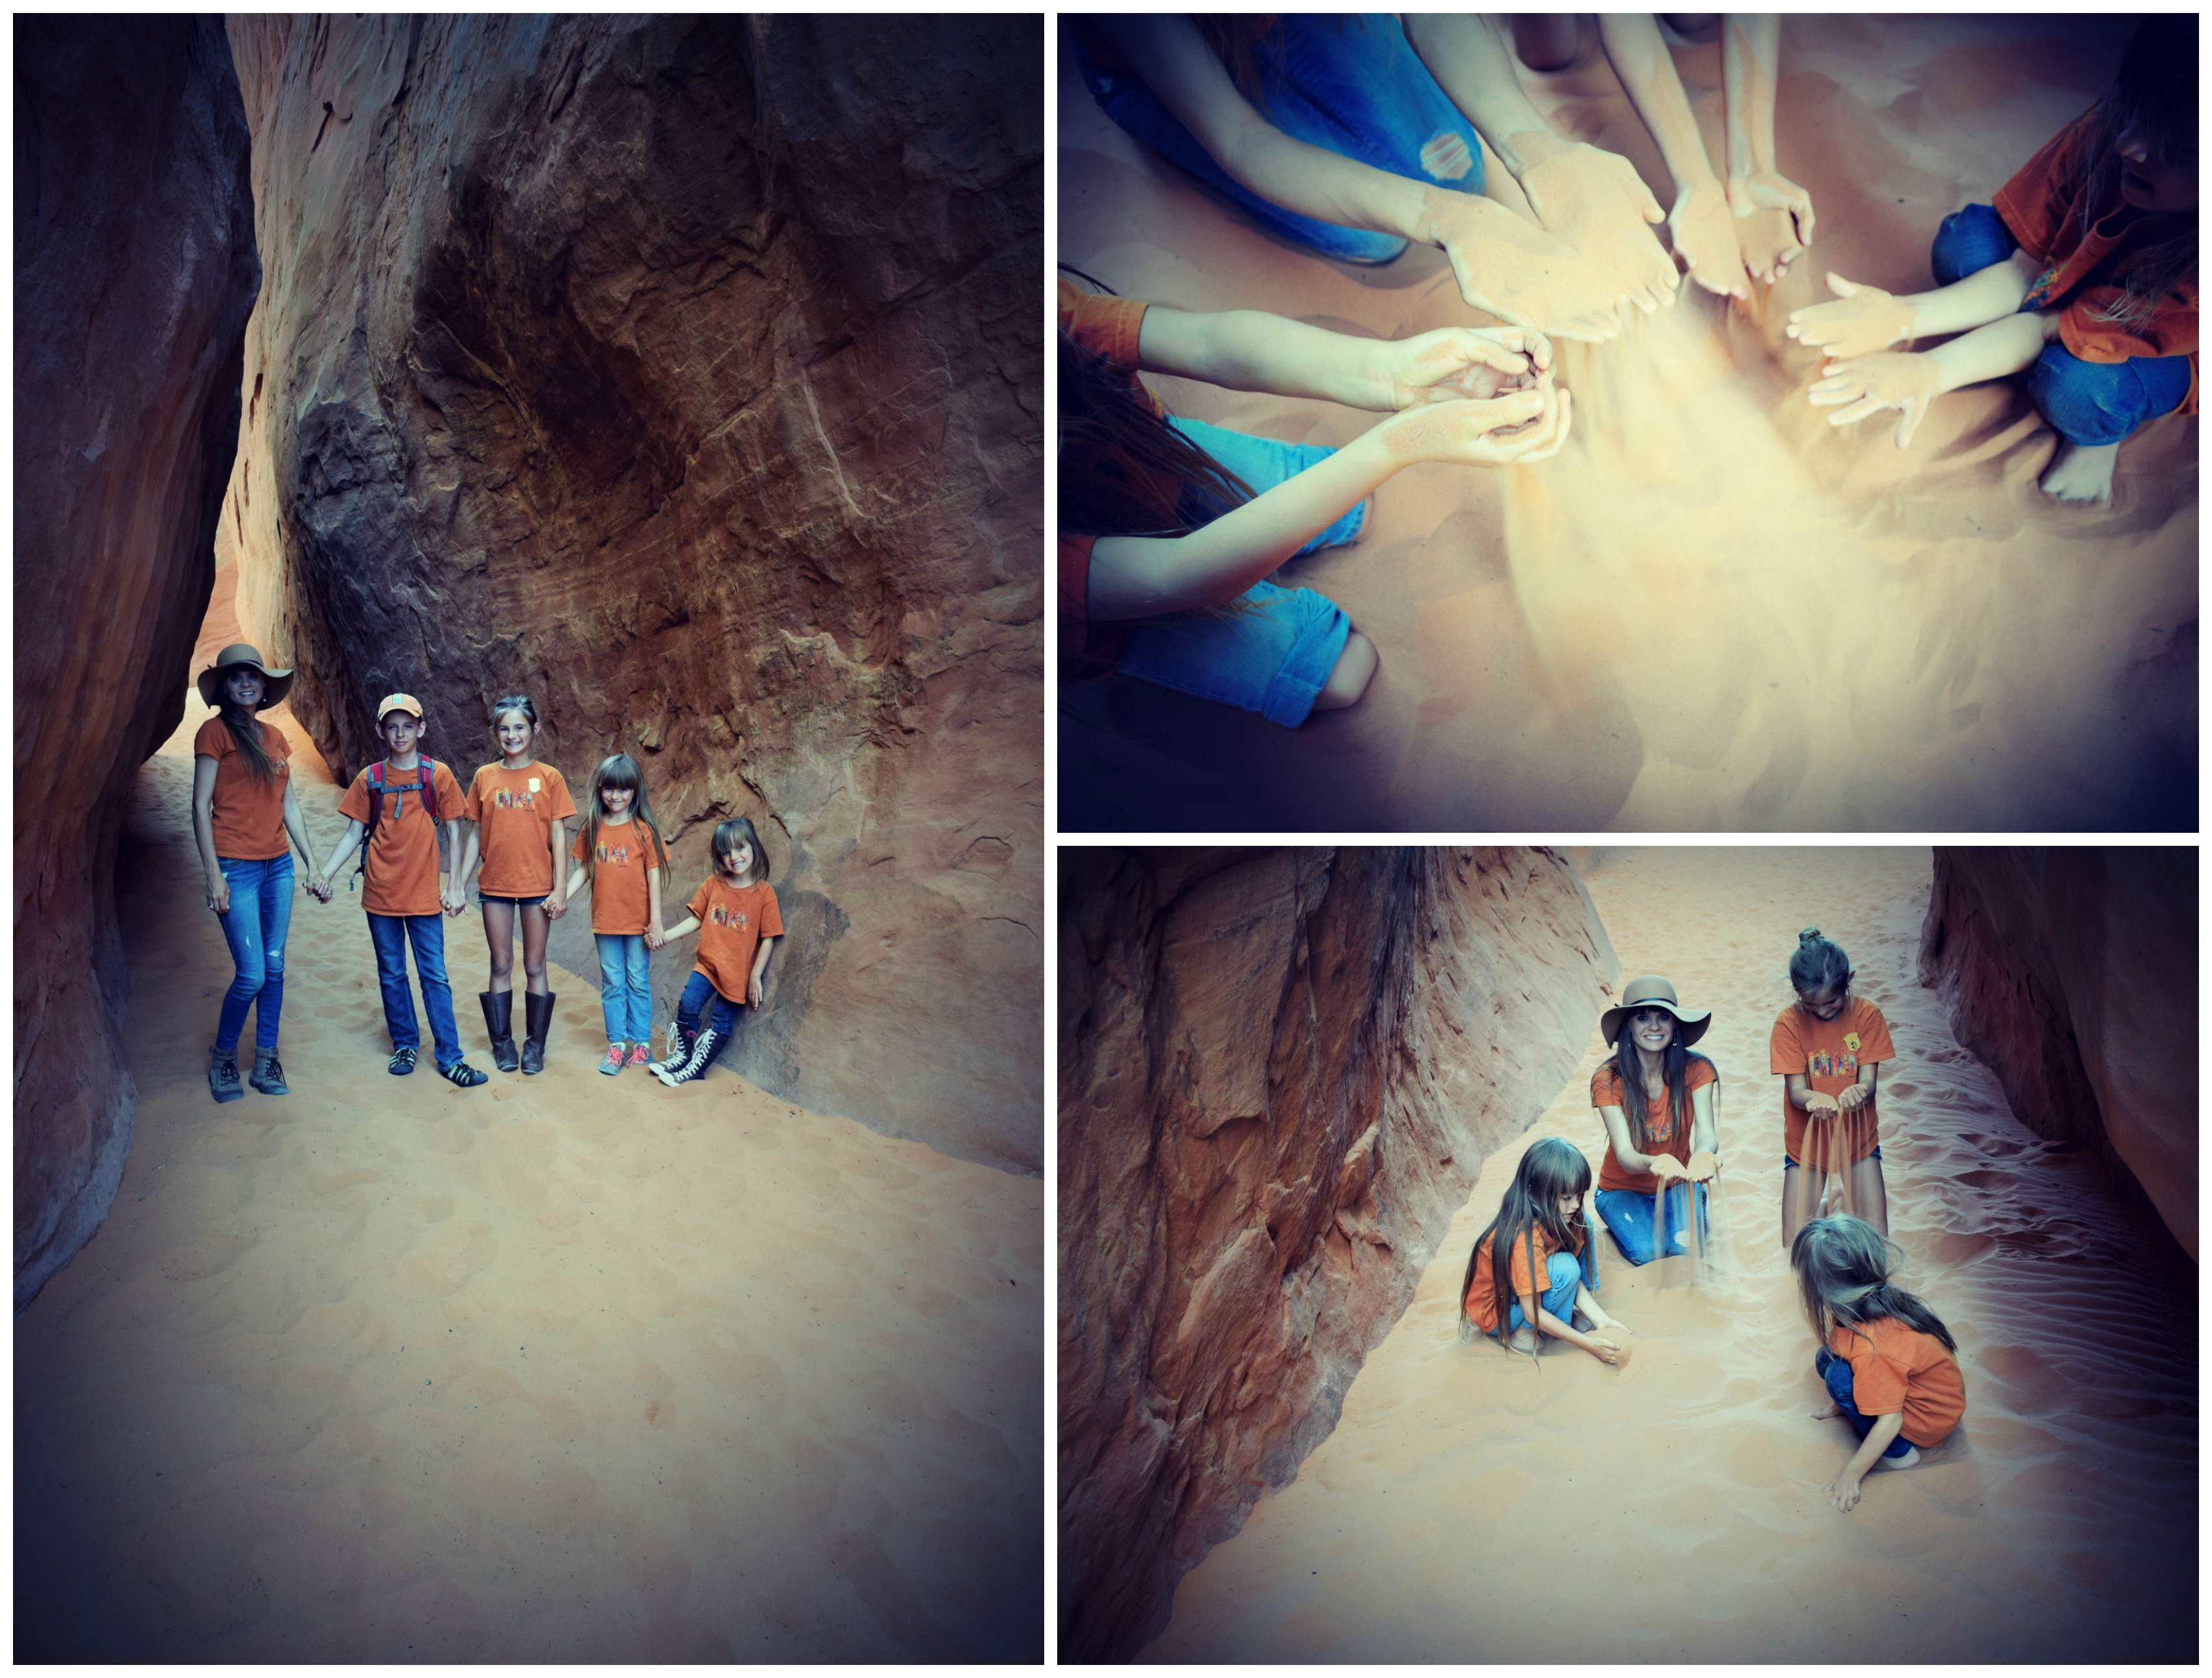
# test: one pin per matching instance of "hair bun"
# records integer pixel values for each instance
(1810, 935)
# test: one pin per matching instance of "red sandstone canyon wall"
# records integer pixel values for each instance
(1279, 1072)
(135, 272)
(2071, 972)
(686, 373)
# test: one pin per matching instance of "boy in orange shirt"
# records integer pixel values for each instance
(735, 913)
(390, 804)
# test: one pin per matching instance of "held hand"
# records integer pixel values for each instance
(1865, 318)
(1703, 230)
(1763, 189)
(218, 895)
(1844, 1491)
(1703, 1167)
(1905, 382)
(452, 901)
(1462, 362)
(556, 908)
(1599, 205)
(1518, 429)
(654, 938)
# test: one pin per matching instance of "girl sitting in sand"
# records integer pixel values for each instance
(1891, 1366)
(620, 856)
(1354, 136)
(1169, 527)
(1826, 1047)
(736, 917)
(1540, 1230)
(521, 808)
(1656, 1098)
(2084, 269)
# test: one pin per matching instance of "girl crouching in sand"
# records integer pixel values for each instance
(1540, 1230)
(737, 923)
(1890, 1365)
(620, 856)
(1826, 1046)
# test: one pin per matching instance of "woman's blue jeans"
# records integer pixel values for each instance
(259, 918)
(1629, 1215)
(1564, 1273)
(698, 989)
(625, 986)
(391, 934)
(2089, 403)
(1837, 1373)
(1352, 85)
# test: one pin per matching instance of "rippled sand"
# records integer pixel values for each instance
(1473, 1507)
(565, 1368)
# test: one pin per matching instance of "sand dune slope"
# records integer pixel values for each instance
(563, 1368)
(1473, 1507)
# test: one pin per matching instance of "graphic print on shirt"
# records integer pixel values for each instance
(1822, 1064)
(501, 798)
(617, 855)
(728, 917)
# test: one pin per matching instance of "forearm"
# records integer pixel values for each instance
(1474, 68)
(1994, 351)
(203, 838)
(1646, 69)
(760, 959)
(1992, 294)
(652, 893)
(1143, 576)
(1558, 1330)
(578, 878)
(556, 849)
(1750, 51)
(690, 923)
(1247, 350)
(1878, 1440)
(296, 831)
(465, 859)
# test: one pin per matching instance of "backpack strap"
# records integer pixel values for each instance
(375, 776)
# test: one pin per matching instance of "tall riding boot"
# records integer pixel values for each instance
(538, 1016)
(499, 1020)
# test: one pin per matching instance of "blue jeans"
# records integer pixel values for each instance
(259, 918)
(1628, 1214)
(391, 934)
(625, 986)
(1563, 1272)
(2088, 403)
(696, 990)
(1350, 85)
(1273, 655)
(1837, 1372)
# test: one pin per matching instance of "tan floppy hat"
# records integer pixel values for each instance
(1653, 992)
(276, 683)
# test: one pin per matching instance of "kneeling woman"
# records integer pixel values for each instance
(1656, 1099)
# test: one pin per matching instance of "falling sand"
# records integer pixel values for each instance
(1474, 1506)
(563, 1368)
(1711, 611)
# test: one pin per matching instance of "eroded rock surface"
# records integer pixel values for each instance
(1279, 1072)
(2071, 971)
(686, 374)
(135, 272)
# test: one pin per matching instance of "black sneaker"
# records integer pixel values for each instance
(462, 1076)
(403, 1062)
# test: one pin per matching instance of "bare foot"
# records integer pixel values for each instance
(2082, 471)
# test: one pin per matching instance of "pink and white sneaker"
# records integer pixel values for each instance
(614, 1061)
(639, 1056)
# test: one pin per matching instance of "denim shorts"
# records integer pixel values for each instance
(1787, 1161)
(520, 902)
(1271, 653)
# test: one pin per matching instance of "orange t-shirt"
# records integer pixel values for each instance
(622, 894)
(403, 857)
(2087, 272)
(1666, 1136)
(248, 814)
(733, 920)
(1902, 1370)
(1830, 1055)
(514, 811)
(1481, 1300)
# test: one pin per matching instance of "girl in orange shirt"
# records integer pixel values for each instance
(1540, 1230)
(1827, 1047)
(620, 856)
(738, 921)
(521, 808)
(1890, 1365)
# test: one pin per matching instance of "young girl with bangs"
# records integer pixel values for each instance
(1540, 1230)
(1656, 1101)
(1890, 1365)
(620, 857)
(2083, 270)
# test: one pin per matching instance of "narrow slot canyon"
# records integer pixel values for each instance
(1458, 1503)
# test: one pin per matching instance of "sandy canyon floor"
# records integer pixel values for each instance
(564, 1368)
(1471, 1506)
(1711, 612)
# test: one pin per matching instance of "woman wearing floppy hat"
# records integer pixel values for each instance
(244, 811)
(1656, 1100)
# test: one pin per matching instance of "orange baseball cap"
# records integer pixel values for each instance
(399, 701)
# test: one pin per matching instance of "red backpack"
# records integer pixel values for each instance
(427, 767)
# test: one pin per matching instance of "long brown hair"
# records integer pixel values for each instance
(245, 728)
(621, 773)
(2155, 92)
(1116, 448)
(1552, 1167)
(1842, 1266)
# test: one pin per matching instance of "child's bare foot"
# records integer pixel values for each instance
(2082, 471)
(1524, 1339)
(1911, 1455)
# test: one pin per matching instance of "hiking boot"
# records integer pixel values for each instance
(499, 1021)
(692, 1065)
(402, 1062)
(614, 1062)
(463, 1076)
(537, 1012)
(268, 1075)
(223, 1075)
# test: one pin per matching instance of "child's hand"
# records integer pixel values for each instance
(1853, 1098)
(1705, 234)
(753, 996)
(1872, 383)
(1597, 201)
(1818, 1106)
(1765, 190)
(1518, 429)
(1611, 1354)
(1844, 1491)
(1865, 319)
(453, 901)
(556, 908)
(1462, 363)
(654, 938)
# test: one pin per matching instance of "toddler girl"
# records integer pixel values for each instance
(1540, 1230)
(1826, 1046)
(1890, 1365)
(736, 917)
(620, 856)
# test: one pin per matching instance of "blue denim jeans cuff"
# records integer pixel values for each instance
(1272, 656)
